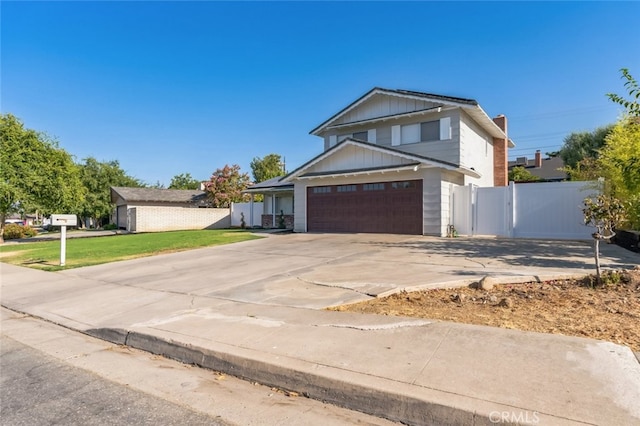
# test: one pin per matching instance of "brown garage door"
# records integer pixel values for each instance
(385, 207)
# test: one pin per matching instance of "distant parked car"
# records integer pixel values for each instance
(16, 221)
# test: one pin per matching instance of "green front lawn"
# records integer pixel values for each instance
(96, 250)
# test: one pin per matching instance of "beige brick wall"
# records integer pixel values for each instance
(158, 219)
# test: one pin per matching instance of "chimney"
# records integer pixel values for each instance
(538, 162)
(500, 157)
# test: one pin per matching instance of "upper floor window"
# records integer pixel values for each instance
(426, 131)
(362, 136)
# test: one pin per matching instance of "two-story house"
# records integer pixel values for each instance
(390, 161)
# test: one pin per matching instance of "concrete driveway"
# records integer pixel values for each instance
(320, 270)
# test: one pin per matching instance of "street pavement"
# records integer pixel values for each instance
(253, 310)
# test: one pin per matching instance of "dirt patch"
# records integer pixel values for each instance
(570, 307)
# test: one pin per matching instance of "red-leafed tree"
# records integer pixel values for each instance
(226, 186)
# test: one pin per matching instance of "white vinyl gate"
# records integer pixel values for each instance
(532, 210)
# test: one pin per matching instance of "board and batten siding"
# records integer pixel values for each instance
(383, 105)
(476, 151)
(356, 157)
(444, 150)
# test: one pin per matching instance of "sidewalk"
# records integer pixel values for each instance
(408, 370)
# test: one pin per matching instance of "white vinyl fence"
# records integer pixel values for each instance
(532, 210)
(237, 209)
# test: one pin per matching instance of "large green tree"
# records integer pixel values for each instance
(98, 177)
(266, 168)
(226, 186)
(582, 145)
(184, 181)
(35, 173)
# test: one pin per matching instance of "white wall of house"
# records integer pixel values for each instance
(382, 105)
(158, 219)
(444, 150)
(476, 151)
(357, 157)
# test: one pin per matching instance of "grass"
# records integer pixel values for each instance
(96, 250)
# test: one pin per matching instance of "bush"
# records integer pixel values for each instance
(110, 227)
(13, 231)
(29, 231)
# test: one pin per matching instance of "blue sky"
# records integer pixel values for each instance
(174, 87)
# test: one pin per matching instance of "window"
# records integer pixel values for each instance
(403, 185)
(363, 136)
(410, 133)
(346, 188)
(430, 131)
(373, 187)
(425, 132)
(321, 189)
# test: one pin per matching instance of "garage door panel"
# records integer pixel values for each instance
(388, 207)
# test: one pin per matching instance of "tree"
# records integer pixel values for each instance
(267, 168)
(184, 181)
(580, 145)
(226, 186)
(632, 106)
(35, 174)
(520, 174)
(97, 178)
(605, 213)
(619, 164)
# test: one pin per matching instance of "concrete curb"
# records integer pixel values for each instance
(497, 279)
(392, 400)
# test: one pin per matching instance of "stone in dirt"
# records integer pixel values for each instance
(487, 283)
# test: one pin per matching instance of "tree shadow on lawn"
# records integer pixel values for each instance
(521, 252)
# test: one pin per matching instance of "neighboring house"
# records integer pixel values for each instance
(390, 161)
(549, 169)
(151, 209)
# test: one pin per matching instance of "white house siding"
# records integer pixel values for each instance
(383, 105)
(476, 151)
(158, 219)
(356, 157)
(444, 150)
(431, 209)
(448, 181)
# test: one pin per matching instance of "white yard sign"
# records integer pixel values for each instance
(63, 220)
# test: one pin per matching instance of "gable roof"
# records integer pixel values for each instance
(150, 195)
(471, 106)
(416, 161)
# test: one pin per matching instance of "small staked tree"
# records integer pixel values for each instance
(604, 213)
(226, 186)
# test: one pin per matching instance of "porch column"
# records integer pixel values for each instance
(251, 211)
(273, 210)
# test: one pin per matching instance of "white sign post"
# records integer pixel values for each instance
(63, 220)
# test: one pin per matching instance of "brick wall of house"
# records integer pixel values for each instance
(267, 221)
(158, 219)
